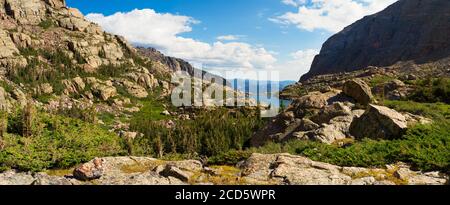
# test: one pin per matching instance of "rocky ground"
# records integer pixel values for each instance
(335, 115)
(275, 169)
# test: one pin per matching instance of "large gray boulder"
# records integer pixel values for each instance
(358, 90)
(379, 122)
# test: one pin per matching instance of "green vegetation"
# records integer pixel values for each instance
(380, 79)
(426, 147)
(211, 133)
(432, 90)
(46, 24)
(36, 72)
(55, 142)
(436, 111)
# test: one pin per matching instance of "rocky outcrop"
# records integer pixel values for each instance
(379, 122)
(137, 171)
(358, 90)
(402, 32)
(25, 11)
(104, 90)
(318, 116)
(297, 170)
(9, 52)
(258, 169)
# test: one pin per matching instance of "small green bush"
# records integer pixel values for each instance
(46, 24)
(432, 91)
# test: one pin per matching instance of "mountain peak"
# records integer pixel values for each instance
(409, 30)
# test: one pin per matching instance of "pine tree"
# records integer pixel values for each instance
(159, 147)
(3, 128)
(28, 115)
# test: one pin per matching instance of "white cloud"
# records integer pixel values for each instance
(229, 37)
(293, 2)
(299, 64)
(162, 31)
(329, 15)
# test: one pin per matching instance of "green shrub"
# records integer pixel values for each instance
(46, 24)
(211, 133)
(432, 91)
(425, 147)
(63, 143)
(436, 111)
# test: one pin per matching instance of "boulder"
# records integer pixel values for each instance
(73, 86)
(103, 91)
(89, 171)
(358, 90)
(12, 177)
(43, 89)
(45, 179)
(379, 122)
(332, 111)
(134, 89)
(173, 171)
(337, 128)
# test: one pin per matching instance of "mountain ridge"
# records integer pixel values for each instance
(408, 30)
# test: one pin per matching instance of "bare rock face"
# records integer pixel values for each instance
(58, 4)
(15, 178)
(297, 170)
(9, 51)
(379, 122)
(25, 11)
(358, 90)
(401, 32)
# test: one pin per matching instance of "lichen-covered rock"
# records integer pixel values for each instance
(358, 90)
(379, 122)
(43, 89)
(57, 4)
(133, 88)
(298, 170)
(16, 178)
(102, 90)
(25, 11)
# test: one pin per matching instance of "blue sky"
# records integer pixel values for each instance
(241, 35)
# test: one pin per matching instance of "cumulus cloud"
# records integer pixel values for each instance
(329, 15)
(298, 65)
(229, 37)
(162, 31)
(293, 2)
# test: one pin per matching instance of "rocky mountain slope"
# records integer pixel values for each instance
(408, 30)
(176, 64)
